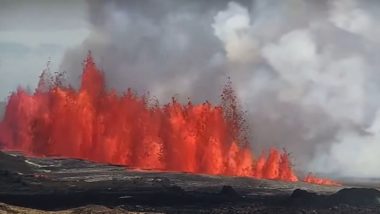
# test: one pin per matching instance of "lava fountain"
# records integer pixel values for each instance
(101, 125)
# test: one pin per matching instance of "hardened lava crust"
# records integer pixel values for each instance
(64, 185)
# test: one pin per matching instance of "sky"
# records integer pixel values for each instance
(32, 33)
(305, 71)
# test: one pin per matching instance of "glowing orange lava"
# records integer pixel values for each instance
(310, 178)
(99, 125)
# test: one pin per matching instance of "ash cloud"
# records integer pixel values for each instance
(304, 70)
(165, 47)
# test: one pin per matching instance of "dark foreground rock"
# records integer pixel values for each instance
(349, 196)
(254, 208)
(66, 185)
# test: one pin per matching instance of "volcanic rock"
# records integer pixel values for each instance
(346, 196)
(65, 185)
(14, 164)
(357, 196)
(229, 191)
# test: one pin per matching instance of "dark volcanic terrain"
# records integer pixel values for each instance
(78, 186)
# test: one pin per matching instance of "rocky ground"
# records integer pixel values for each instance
(47, 185)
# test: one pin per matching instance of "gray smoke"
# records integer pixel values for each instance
(304, 70)
(2, 109)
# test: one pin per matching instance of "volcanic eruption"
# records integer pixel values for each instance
(102, 125)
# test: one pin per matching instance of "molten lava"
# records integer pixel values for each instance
(99, 125)
(310, 178)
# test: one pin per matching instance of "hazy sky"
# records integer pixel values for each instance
(31, 33)
(306, 71)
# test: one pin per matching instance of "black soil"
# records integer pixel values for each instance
(60, 184)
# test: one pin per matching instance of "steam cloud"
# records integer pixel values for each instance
(304, 70)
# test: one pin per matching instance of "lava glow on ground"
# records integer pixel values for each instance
(100, 125)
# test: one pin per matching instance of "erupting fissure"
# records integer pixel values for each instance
(98, 124)
(310, 178)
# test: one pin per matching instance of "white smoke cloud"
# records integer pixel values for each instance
(314, 78)
(347, 16)
(232, 26)
(353, 154)
(313, 73)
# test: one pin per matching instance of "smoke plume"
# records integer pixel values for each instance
(305, 71)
